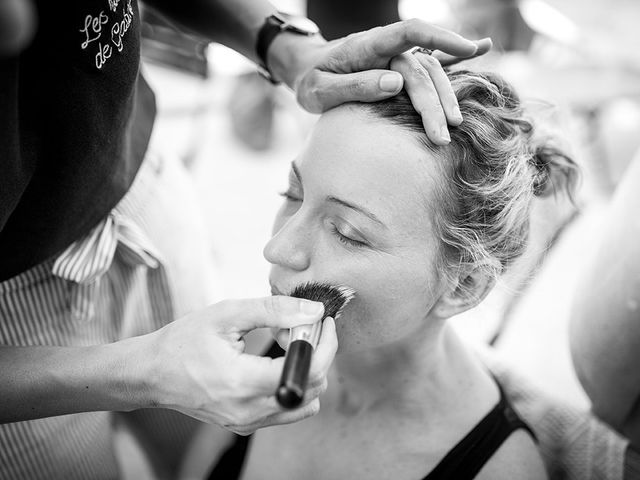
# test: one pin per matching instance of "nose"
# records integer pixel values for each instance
(290, 245)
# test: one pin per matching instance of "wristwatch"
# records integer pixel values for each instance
(274, 25)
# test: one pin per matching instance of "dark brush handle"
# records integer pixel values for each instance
(295, 374)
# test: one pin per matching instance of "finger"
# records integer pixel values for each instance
(324, 353)
(282, 337)
(446, 60)
(275, 415)
(443, 87)
(315, 390)
(260, 375)
(396, 38)
(320, 91)
(277, 311)
(291, 416)
(424, 97)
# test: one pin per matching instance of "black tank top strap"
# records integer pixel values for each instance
(231, 462)
(466, 459)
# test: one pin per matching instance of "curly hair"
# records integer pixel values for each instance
(494, 167)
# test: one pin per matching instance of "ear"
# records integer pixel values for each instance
(467, 290)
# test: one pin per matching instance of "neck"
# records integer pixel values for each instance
(413, 373)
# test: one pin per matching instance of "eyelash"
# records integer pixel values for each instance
(346, 240)
(289, 196)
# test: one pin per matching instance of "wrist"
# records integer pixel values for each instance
(291, 55)
(134, 372)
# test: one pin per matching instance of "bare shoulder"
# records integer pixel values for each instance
(517, 457)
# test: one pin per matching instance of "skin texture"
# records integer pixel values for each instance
(306, 245)
(394, 331)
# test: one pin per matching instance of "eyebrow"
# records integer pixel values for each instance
(341, 202)
(357, 208)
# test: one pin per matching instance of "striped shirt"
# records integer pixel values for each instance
(109, 285)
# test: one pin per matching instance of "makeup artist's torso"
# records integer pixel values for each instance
(388, 439)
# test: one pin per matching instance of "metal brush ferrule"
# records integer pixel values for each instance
(308, 333)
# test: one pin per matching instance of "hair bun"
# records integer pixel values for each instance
(553, 171)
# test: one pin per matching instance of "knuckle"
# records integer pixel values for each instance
(418, 71)
(412, 26)
(350, 43)
(308, 92)
(358, 87)
(429, 61)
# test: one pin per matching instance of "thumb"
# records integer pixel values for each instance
(278, 311)
(319, 91)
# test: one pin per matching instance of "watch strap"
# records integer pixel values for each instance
(274, 25)
(270, 29)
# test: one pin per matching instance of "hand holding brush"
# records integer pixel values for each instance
(304, 339)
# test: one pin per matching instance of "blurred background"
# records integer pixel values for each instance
(575, 62)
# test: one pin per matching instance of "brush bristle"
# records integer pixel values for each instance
(334, 297)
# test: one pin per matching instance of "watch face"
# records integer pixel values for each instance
(298, 23)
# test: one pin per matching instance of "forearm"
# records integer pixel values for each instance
(47, 381)
(234, 23)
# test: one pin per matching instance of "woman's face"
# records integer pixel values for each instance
(358, 211)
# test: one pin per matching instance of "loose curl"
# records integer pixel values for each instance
(494, 166)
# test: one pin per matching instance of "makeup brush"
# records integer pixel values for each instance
(304, 339)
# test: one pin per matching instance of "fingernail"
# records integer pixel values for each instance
(457, 115)
(311, 308)
(390, 82)
(444, 134)
(473, 44)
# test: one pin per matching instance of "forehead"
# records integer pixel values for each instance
(380, 165)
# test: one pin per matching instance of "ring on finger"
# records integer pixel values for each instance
(426, 51)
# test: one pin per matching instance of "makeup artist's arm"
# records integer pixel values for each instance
(324, 74)
(195, 365)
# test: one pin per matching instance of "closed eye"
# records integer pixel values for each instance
(290, 196)
(345, 239)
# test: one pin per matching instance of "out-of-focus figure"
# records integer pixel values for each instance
(605, 318)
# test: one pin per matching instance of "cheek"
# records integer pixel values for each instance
(392, 300)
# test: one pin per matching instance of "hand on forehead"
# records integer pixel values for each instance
(356, 68)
